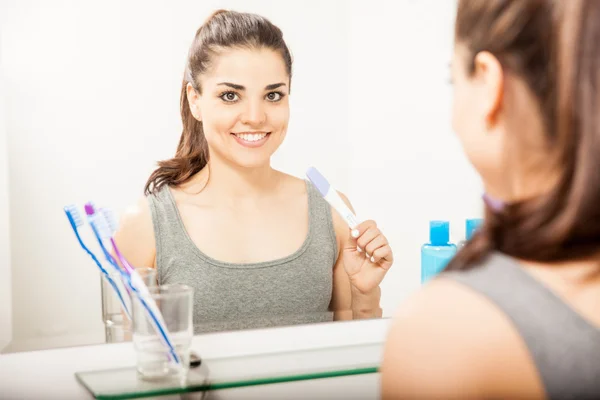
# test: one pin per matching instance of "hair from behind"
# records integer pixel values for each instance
(554, 47)
(223, 30)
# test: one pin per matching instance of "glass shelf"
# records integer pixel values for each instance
(235, 372)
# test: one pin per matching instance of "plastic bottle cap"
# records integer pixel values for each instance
(471, 227)
(439, 232)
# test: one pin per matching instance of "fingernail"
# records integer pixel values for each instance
(355, 233)
(372, 259)
(358, 249)
(367, 255)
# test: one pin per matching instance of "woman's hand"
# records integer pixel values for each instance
(367, 257)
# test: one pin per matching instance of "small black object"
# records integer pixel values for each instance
(195, 360)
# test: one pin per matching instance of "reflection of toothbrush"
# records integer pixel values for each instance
(331, 195)
(107, 225)
(76, 222)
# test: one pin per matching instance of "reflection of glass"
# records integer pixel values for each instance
(117, 326)
(175, 303)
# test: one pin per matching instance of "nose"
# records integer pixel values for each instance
(254, 114)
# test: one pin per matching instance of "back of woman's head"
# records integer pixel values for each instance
(553, 47)
(222, 31)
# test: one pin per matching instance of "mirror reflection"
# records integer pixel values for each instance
(225, 147)
(250, 240)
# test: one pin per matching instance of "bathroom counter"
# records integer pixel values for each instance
(50, 374)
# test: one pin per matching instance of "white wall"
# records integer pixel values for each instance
(92, 93)
(407, 166)
(92, 102)
(5, 270)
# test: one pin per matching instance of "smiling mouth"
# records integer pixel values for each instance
(251, 136)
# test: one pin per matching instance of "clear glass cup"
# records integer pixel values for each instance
(116, 324)
(175, 303)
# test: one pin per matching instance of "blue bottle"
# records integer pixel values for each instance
(438, 252)
(471, 225)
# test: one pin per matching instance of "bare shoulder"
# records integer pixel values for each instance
(449, 341)
(137, 216)
(135, 235)
(293, 184)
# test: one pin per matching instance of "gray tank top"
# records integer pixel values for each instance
(292, 290)
(564, 346)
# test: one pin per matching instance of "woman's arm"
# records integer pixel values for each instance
(347, 302)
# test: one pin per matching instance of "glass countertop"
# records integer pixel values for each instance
(235, 372)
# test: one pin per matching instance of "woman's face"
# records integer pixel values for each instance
(244, 105)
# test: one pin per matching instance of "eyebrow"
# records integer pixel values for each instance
(240, 87)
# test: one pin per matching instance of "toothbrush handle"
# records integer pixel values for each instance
(105, 273)
(119, 294)
(154, 313)
(338, 204)
(162, 333)
(120, 256)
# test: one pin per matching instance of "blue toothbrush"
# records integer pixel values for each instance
(77, 222)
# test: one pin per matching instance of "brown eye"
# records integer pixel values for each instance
(229, 97)
(274, 96)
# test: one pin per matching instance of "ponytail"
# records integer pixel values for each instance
(191, 155)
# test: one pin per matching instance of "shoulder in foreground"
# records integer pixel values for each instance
(446, 341)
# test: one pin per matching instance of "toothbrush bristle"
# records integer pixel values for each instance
(110, 218)
(102, 226)
(73, 212)
(318, 180)
(90, 209)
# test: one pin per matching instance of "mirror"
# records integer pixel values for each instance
(89, 102)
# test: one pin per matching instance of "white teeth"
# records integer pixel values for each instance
(251, 137)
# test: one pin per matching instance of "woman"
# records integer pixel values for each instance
(517, 314)
(258, 246)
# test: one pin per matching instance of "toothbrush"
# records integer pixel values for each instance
(96, 224)
(77, 222)
(111, 225)
(106, 225)
(331, 195)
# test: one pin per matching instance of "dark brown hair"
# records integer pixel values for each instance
(224, 29)
(554, 47)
